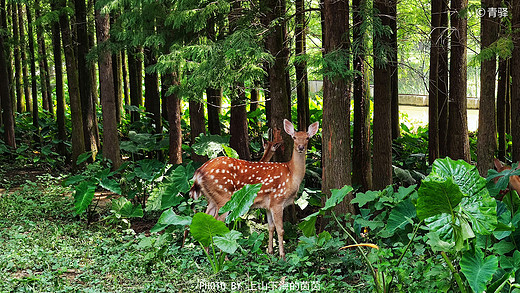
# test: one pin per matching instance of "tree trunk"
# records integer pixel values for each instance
(5, 98)
(135, 68)
(116, 69)
(336, 160)
(279, 96)
(197, 125)
(433, 84)
(515, 87)
(78, 138)
(487, 134)
(503, 81)
(394, 70)
(382, 160)
(60, 96)
(151, 84)
(111, 149)
(126, 91)
(34, 87)
(239, 140)
(300, 66)
(25, 74)
(44, 73)
(443, 83)
(214, 97)
(361, 155)
(17, 61)
(173, 104)
(85, 86)
(458, 140)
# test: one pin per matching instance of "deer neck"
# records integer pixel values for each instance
(297, 167)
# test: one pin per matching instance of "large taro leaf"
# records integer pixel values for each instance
(454, 202)
(437, 195)
(126, 209)
(204, 227)
(240, 202)
(228, 243)
(212, 146)
(401, 216)
(477, 269)
(168, 217)
(83, 196)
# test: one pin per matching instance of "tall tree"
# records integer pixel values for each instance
(78, 138)
(173, 103)
(5, 98)
(214, 98)
(44, 66)
(443, 82)
(487, 133)
(23, 55)
(17, 60)
(300, 66)
(108, 98)
(433, 84)
(361, 155)
(135, 69)
(394, 69)
(151, 83)
(60, 96)
(515, 86)
(197, 125)
(278, 88)
(503, 83)
(336, 160)
(458, 139)
(382, 159)
(85, 86)
(32, 65)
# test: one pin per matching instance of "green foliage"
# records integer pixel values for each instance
(240, 202)
(213, 145)
(477, 269)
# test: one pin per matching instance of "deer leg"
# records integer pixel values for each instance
(278, 223)
(270, 224)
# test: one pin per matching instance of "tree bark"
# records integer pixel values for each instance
(394, 69)
(515, 87)
(487, 133)
(214, 97)
(19, 105)
(5, 98)
(151, 84)
(32, 65)
(78, 138)
(336, 160)
(278, 93)
(111, 149)
(443, 83)
(25, 74)
(458, 140)
(197, 125)
(60, 96)
(382, 159)
(239, 140)
(116, 69)
(173, 104)
(361, 155)
(433, 84)
(302, 82)
(85, 86)
(135, 68)
(503, 81)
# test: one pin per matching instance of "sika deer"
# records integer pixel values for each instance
(270, 147)
(219, 178)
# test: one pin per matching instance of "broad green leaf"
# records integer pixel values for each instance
(210, 145)
(477, 269)
(126, 209)
(168, 217)
(337, 196)
(83, 196)
(83, 157)
(400, 216)
(481, 212)
(230, 152)
(503, 247)
(308, 225)
(228, 242)
(438, 244)
(403, 192)
(111, 185)
(204, 227)
(465, 175)
(72, 180)
(240, 202)
(149, 170)
(437, 196)
(181, 177)
(363, 198)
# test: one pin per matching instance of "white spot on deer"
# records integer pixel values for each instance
(211, 176)
(220, 186)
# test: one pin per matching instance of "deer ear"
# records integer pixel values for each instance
(289, 127)
(313, 128)
(498, 164)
